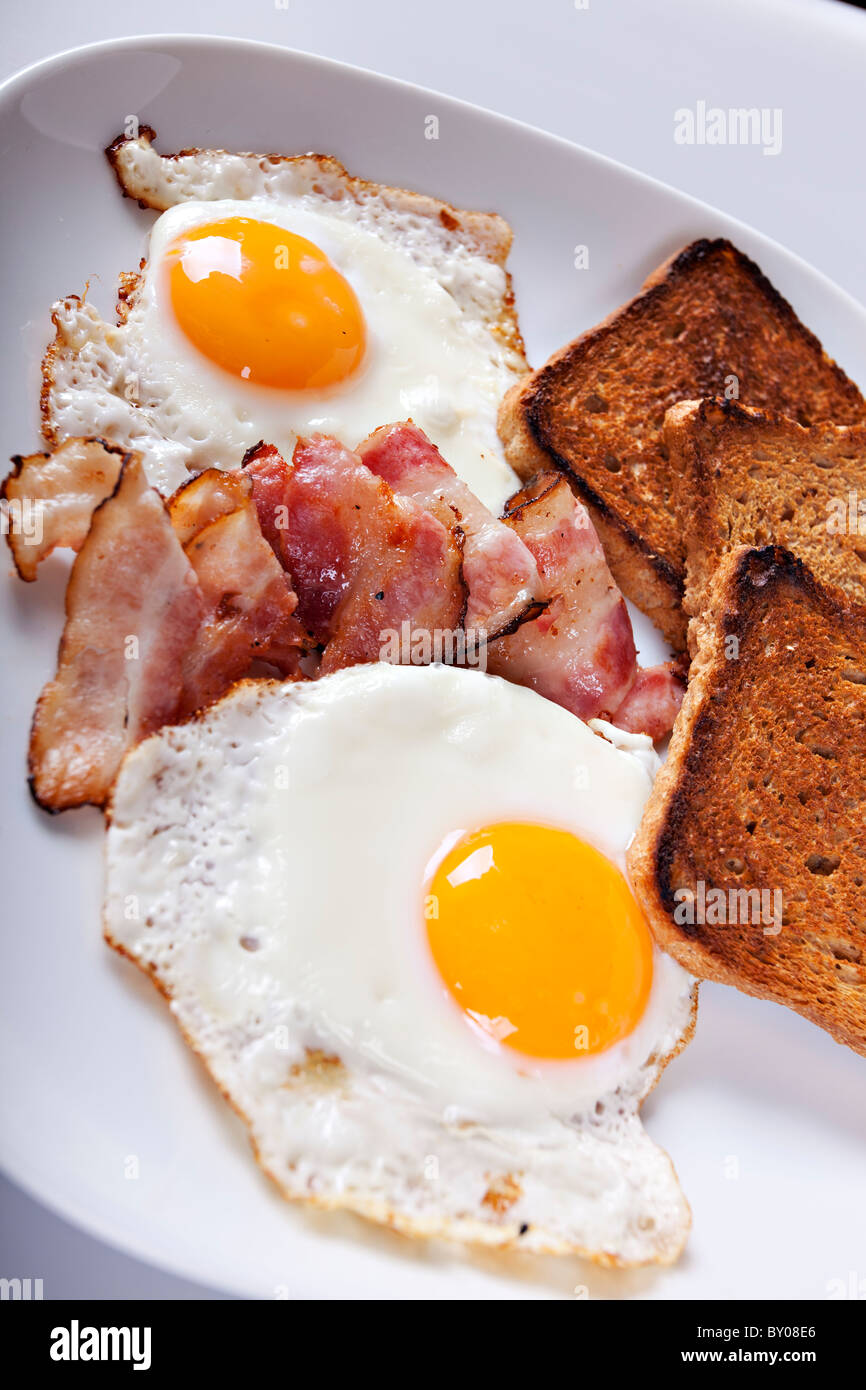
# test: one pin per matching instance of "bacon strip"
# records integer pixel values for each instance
(580, 652)
(167, 606)
(133, 608)
(325, 524)
(50, 498)
(653, 703)
(500, 572)
(270, 475)
(363, 561)
(155, 631)
(208, 496)
(249, 607)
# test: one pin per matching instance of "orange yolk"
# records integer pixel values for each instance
(538, 938)
(265, 305)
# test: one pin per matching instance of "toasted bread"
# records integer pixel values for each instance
(706, 323)
(764, 793)
(750, 478)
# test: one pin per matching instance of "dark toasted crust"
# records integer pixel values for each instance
(642, 573)
(765, 789)
(595, 410)
(751, 477)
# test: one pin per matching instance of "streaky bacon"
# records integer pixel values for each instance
(580, 652)
(207, 496)
(249, 607)
(362, 560)
(56, 494)
(154, 630)
(500, 572)
(133, 610)
(168, 605)
(653, 703)
(270, 474)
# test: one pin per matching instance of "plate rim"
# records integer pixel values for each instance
(66, 1207)
(68, 57)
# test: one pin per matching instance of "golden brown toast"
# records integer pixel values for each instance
(750, 861)
(751, 478)
(706, 323)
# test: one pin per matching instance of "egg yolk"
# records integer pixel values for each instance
(538, 938)
(265, 305)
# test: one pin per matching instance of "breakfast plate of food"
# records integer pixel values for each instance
(434, 694)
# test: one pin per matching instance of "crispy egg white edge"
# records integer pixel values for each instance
(90, 367)
(650, 1218)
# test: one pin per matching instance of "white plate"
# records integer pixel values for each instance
(763, 1115)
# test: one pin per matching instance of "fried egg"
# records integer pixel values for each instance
(263, 318)
(391, 913)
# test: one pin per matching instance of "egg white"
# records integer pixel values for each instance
(430, 353)
(266, 862)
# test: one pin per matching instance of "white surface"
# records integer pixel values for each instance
(608, 77)
(92, 1074)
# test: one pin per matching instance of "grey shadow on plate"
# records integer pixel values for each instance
(49, 104)
(780, 1061)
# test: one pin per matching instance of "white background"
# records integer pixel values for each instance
(609, 77)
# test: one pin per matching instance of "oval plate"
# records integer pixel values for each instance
(104, 1115)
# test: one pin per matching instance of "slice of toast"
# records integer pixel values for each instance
(750, 861)
(706, 323)
(747, 477)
